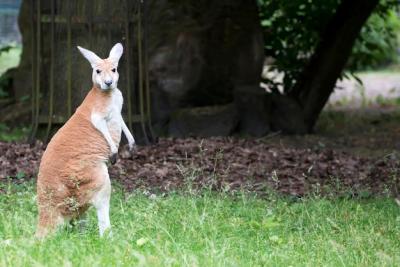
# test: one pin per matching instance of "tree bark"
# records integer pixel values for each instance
(199, 52)
(319, 77)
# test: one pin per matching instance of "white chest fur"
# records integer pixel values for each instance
(109, 122)
(113, 111)
(115, 105)
(114, 117)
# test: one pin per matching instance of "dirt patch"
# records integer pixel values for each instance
(230, 164)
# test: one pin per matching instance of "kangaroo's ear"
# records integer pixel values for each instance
(116, 52)
(90, 56)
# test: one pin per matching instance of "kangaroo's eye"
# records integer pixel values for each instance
(113, 70)
(98, 71)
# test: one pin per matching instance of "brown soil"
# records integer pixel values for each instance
(230, 164)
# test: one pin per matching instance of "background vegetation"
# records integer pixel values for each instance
(292, 30)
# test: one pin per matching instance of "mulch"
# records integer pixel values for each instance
(229, 164)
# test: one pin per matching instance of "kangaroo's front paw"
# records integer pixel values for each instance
(113, 158)
(131, 143)
(132, 147)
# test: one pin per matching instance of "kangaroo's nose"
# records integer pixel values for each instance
(108, 83)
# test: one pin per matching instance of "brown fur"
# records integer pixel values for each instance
(70, 171)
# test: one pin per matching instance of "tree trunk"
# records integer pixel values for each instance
(319, 77)
(199, 53)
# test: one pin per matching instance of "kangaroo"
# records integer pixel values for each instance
(73, 171)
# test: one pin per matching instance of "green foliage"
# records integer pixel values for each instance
(3, 78)
(292, 31)
(208, 229)
(5, 49)
(9, 58)
(378, 42)
(9, 134)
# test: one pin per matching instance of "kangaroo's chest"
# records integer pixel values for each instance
(113, 116)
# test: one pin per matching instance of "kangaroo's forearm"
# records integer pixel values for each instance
(101, 125)
(127, 133)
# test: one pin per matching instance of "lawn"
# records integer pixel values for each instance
(208, 229)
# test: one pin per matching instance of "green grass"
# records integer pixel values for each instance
(10, 59)
(208, 229)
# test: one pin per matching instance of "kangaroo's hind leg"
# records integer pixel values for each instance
(101, 198)
(49, 220)
(50, 216)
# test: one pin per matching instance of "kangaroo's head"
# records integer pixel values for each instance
(105, 74)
